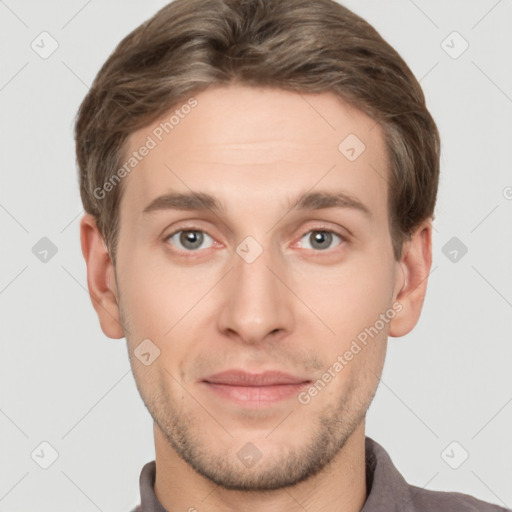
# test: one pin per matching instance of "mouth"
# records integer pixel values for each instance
(255, 389)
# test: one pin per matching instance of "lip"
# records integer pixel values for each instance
(255, 389)
(243, 378)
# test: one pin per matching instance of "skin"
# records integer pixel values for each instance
(295, 308)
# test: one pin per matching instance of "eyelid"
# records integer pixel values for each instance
(322, 227)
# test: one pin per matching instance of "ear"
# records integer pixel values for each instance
(100, 277)
(412, 278)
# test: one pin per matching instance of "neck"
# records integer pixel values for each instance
(339, 486)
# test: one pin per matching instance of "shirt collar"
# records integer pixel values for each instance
(386, 488)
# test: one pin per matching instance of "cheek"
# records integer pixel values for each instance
(162, 297)
(159, 296)
(348, 297)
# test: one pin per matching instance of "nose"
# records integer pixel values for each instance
(257, 305)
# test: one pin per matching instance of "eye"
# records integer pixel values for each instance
(190, 239)
(321, 239)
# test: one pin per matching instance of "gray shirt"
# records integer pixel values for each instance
(387, 491)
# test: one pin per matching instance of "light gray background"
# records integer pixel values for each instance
(64, 382)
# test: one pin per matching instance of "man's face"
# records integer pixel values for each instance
(258, 285)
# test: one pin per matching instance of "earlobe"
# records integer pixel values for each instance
(100, 278)
(415, 268)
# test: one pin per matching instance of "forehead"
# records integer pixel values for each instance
(244, 143)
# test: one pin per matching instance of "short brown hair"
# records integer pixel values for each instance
(297, 45)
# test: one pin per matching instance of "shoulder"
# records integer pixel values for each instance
(391, 492)
(426, 500)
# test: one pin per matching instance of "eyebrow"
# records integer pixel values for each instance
(307, 201)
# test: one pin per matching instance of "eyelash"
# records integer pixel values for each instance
(318, 229)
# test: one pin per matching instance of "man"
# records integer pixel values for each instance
(260, 179)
